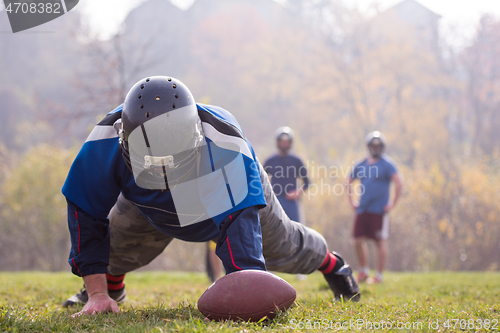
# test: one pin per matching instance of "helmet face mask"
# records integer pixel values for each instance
(160, 133)
(376, 143)
(376, 148)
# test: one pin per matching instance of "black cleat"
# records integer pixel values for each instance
(82, 297)
(343, 283)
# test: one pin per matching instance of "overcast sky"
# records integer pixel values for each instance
(105, 16)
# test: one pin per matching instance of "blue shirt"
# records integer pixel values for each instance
(284, 171)
(375, 184)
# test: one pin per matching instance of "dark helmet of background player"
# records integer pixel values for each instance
(160, 132)
(376, 143)
(284, 139)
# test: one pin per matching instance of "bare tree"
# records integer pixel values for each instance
(481, 65)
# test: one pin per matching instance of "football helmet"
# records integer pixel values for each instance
(160, 133)
(284, 133)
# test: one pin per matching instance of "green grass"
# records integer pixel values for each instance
(166, 302)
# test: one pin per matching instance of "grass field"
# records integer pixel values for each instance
(166, 302)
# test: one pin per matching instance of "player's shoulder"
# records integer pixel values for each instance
(104, 129)
(220, 119)
(387, 159)
(360, 162)
(112, 116)
(271, 159)
(295, 158)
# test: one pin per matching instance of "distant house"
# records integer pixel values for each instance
(411, 18)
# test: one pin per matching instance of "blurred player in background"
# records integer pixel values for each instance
(376, 172)
(212, 262)
(285, 169)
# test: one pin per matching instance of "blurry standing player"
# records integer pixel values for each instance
(376, 172)
(285, 169)
(213, 264)
(161, 167)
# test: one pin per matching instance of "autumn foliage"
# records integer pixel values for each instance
(330, 72)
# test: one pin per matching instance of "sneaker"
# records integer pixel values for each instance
(362, 276)
(82, 297)
(343, 283)
(379, 278)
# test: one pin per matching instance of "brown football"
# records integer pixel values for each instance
(247, 295)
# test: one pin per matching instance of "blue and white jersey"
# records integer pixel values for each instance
(99, 174)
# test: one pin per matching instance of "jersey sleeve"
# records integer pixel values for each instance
(391, 168)
(354, 172)
(90, 242)
(240, 241)
(268, 166)
(93, 182)
(91, 189)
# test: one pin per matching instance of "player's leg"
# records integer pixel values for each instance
(291, 208)
(214, 264)
(208, 264)
(382, 252)
(360, 233)
(134, 243)
(288, 246)
(382, 249)
(291, 247)
(362, 255)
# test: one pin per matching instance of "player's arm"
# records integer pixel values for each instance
(348, 189)
(89, 258)
(91, 190)
(240, 241)
(396, 178)
(99, 301)
(90, 242)
(305, 179)
(268, 169)
(302, 174)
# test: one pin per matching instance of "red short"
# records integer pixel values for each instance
(371, 225)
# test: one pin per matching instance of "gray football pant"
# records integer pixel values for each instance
(288, 246)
